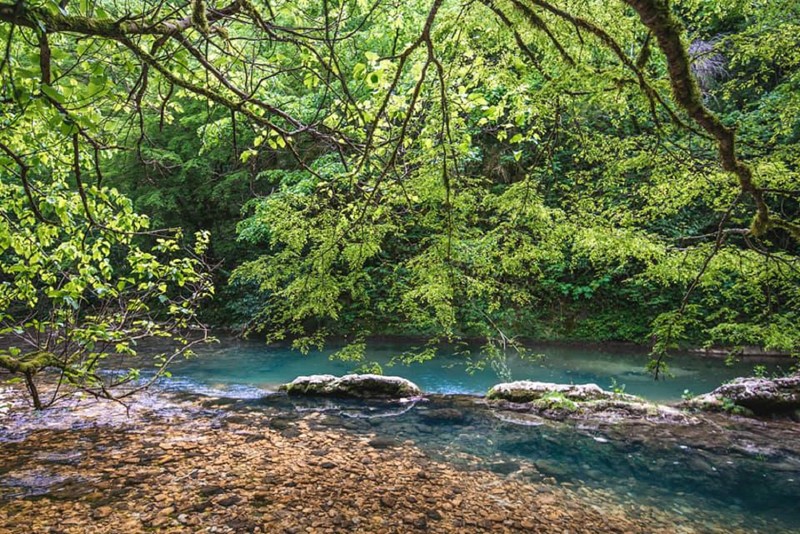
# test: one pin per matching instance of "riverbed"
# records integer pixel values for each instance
(707, 473)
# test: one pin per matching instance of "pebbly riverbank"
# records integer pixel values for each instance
(193, 464)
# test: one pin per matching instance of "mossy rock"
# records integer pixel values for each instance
(524, 391)
(577, 402)
(367, 386)
(751, 395)
(555, 401)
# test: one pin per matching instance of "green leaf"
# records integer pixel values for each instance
(52, 93)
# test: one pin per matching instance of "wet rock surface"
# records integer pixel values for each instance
(364, 386)
(578, 402)
(529, 391)
(760, 396)
(193, 465)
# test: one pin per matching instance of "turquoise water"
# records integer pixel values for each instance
(727, 473)
(247, 368)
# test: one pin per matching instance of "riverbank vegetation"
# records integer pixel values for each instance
(622, 171)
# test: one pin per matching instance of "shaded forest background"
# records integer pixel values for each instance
(576, 214)
(302, 171)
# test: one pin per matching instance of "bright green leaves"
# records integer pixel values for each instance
(498, 178)
(53, 94)
(536, 185)
(94, 290)
(72, 263)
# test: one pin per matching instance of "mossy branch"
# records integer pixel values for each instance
(199, 18)
(30, 363)
(668, 31)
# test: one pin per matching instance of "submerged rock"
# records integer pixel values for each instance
(758, 395)
(366, 386)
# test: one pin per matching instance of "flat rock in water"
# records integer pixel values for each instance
(529, 391)
(577, 401)
(367, 386)
(759, 395)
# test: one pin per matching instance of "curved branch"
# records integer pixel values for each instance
(26, 185)
(656, 15)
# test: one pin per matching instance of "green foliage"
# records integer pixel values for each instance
(85, 279)
(596, 240)
(79, 298)
(436, 169)
(731, 407)
(617, 388)
(372, 368)
(352, 352)
(555, 401)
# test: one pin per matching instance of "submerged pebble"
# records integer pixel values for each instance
(181, 466)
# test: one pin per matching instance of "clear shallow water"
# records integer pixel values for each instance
(247, 368)
(724, 472)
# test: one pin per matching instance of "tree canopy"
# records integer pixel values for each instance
(492, 169)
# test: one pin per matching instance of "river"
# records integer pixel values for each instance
(249, 368)
(728, 471)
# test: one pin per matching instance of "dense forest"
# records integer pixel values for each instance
(306, 171)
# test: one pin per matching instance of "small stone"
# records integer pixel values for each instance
(169, 510)
(229, 500)
(208, 491)
(159, 521)
(102, 512)
(434, 514)
(383, 443)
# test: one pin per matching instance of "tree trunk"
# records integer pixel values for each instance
(37, 402)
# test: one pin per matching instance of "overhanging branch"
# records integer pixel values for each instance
(657, 17)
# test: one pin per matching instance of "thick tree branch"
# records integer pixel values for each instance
(36, 18)
(656, 15)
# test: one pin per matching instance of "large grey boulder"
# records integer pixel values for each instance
(365, 386)
(528, 391)
(759, 395)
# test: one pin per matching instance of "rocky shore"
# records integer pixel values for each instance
(194, 465)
